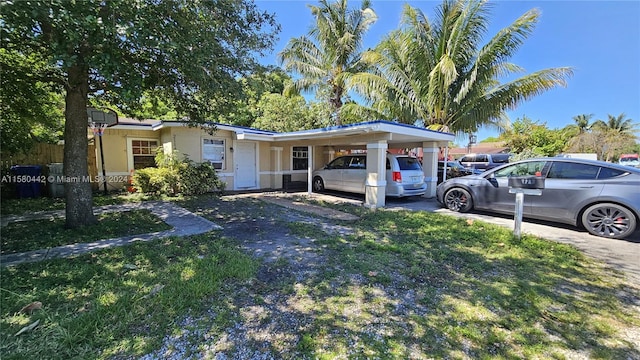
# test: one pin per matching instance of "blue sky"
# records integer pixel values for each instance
(600, 40)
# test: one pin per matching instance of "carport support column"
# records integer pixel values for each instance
(430, 151)
(310, 162)
(376, 183)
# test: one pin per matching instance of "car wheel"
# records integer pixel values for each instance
(609, 220)
(318, 184)
(458, 199)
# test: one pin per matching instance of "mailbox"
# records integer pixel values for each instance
(526, 182)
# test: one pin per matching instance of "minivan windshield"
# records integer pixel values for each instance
(409, 163)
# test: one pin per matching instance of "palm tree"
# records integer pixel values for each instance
(582, 122)
(617, 124)
(330, 53)
(438, 72)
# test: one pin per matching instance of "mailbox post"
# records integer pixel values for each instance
(521, 186)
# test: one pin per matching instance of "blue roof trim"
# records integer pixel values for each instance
(248, 130)
(373, 122)
(244, 129)
(132, 124)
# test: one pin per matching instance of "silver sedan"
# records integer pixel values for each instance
(602, 197)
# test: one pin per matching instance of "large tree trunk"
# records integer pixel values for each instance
(79, 206)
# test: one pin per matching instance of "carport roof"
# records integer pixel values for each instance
(392, 132)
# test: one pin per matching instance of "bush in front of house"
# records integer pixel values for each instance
(175, 176)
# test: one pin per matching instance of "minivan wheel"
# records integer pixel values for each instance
(609, 220)
(318, 184)
(458, 199)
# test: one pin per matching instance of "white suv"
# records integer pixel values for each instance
(348, 173)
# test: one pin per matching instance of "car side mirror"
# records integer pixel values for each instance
(492, 179)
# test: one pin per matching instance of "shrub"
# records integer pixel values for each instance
(200, 178)
(174, 176)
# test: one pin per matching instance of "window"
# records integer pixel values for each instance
(339, 163)
(607, 173)
(300, 156)
(408, 163)
(500, 158)
(567, 170)
(213, 152)
(144, 153)
(468, 158)
(530, 168)
(358, 162)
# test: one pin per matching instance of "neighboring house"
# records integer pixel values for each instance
(480, 148)
(251, 159)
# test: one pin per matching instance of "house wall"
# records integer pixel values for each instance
(188, 141)
(114, 144)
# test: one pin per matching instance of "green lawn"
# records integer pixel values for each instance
(400, 285)
(42, 234)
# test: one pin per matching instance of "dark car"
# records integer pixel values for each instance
(602, 197)
(454, 169)
(484, 161)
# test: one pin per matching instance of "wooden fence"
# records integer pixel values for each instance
(44, 154)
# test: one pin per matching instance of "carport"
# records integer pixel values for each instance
(376, 137)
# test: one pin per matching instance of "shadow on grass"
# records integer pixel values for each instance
(402, 285)
(412, 284)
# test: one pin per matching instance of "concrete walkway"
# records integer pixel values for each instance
(183, 223)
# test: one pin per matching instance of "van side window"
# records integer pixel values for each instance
(358, 162)
(339, 163)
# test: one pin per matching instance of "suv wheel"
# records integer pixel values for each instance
(458, 199)
(318, 184)
(609, 220)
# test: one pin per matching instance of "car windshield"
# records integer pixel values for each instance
(409, 163)
(533, 168)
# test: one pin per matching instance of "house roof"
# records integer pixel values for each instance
(135, 124)
(481, 148)
(352, 134)
(386, 130)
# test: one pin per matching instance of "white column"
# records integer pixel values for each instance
(310, 170)
(430, 153)
(376, 183)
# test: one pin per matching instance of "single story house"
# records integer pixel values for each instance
(480, 148)
(251, 159)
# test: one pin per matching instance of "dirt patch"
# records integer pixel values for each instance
(265, 228)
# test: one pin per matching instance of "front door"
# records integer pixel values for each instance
(245, 160)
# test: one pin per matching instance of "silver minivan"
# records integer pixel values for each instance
(348, 173)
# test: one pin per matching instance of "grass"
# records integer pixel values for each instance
(30, 205)
(402, 285)
(118, 301)
(475, 291)
(42, 234)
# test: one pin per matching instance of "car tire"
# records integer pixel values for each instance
(318, 184)
(458, 200)
(609, 220)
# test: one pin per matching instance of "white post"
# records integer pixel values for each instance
(518, 214)
(309, 170)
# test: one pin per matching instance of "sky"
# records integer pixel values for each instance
(600, 40)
